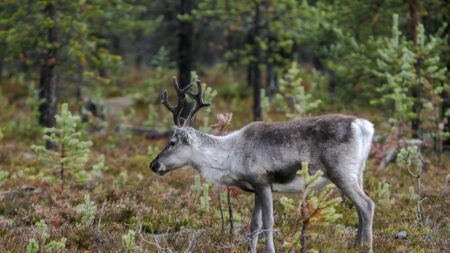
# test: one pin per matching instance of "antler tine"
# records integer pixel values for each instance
(171, 108)
(199, 103)
(181, 93)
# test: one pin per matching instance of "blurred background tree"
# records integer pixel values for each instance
(348, 52)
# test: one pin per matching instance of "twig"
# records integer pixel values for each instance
(158, 247)
(100, 218)
(221, 210)
(230, 211)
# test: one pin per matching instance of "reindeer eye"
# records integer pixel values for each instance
(172, 142)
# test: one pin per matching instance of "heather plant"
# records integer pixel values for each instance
(313, 209)
(87, 209)
(71, 152)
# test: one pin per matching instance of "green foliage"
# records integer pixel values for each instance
(88, 209)
(383, 193)
(82, 177)
(205, 199)
(42, 230)
(265, 105)
(412, 74)
(409, 156)
(396, 67)
(128, 244)
(1, 135)
(161, 61)
(55, 246)
(72, 153)
(33, 101)
(43, 233)
(79, 33)
(3, 177)
(197, 187)
(208, 95)
(98, 168)
(121, 180)
(33, 246)
(292, 97)
(201, 193)
(313, 209)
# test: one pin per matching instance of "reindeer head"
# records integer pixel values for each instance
(178, 151)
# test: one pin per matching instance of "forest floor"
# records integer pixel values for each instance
(166, 215)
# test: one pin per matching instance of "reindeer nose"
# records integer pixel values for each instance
(154, 166)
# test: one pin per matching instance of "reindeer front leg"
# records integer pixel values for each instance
(264, 195)
(255, 224)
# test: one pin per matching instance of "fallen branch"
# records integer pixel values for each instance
(148, 132)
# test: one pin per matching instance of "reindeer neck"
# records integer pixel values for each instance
(212, 154)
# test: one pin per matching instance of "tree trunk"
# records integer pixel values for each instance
(414, 12)
(185, 54)
(47, 81)
(80, 84)
(185, 45)
(255, 65)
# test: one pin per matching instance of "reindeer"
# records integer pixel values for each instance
(264, 157)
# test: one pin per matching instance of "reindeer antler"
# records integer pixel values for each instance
(181, 93)
(199, 103)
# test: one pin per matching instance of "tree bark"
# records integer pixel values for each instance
(255, 65)
(185, 53)
(48, 81)
(414, 12)
(185, 45)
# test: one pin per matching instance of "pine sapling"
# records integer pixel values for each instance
(407, 158)
(128, 244)
(71, 153)
(292, 97)
(204, 200)
(56, 246)
(98, 168)
(87, 209)
(313, 209)
(197, 187)
(3, 177)
(33, 246)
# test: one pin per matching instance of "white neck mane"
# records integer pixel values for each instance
(212, 155)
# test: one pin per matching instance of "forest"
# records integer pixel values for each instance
(90, 92)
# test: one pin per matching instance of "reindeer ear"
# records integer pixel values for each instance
(182, 135)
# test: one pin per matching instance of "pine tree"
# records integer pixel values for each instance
(292, 97)
(72, 152)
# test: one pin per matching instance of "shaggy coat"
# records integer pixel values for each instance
(264, 157)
